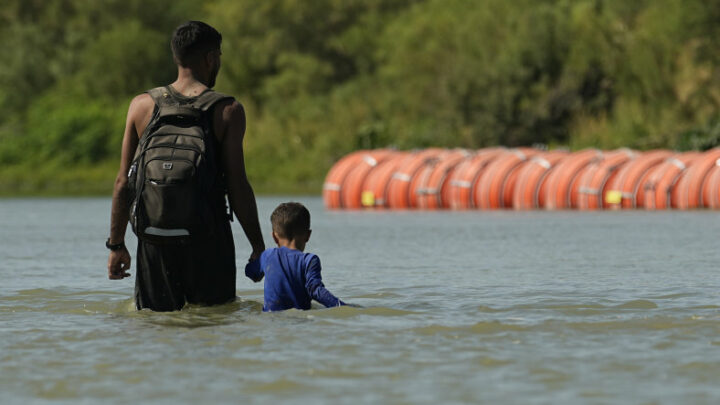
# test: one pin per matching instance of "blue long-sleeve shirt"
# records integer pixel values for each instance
(292, 279)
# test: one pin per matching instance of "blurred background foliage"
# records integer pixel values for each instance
(322, 78)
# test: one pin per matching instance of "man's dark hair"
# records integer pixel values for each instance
(290, 220)
(192, 40)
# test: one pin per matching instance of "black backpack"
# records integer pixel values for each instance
(175, 171)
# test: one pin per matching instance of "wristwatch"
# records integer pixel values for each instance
(114, 247)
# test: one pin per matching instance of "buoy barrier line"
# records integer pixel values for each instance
(351, 194)
(331, 187)
(436, 177)
(420, 179)
(398, 188)
(401, 176)
(524, 178)
(495, 187)
(466, 174)
(658, 189)
(461, 183)
(689, 187)
(711, 188)
(558, 194)
(444, 173)
(623, 189)
(594, 181)
(398, 191)
(374, 186)
(525, 193)
(334, 179)
(637, 174)
(553, 158)
(371, 161)
(528, 189)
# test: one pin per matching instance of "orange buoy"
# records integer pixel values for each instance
(462, 180)
(662, 179)
(649, 161)
(336, 176)
(531, 177)
(631, 179)
(560, 182)
(494, 187)
(711, 188)
(398, 191)
(598, 174)
(352, 186)
(432, 191)
(687, 192)
(374, 188)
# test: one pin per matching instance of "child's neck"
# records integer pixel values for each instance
(291, 244)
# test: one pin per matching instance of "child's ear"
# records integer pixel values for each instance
(275, 237)
(308, 235)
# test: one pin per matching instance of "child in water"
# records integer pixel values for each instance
(292, 278)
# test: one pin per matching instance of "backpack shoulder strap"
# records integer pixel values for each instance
(160, 96)
(209, 98)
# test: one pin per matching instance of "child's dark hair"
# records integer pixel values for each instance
(192, 40)
(290, 219)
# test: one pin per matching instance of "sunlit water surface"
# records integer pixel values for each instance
(458, 307)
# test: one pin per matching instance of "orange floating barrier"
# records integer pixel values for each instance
(374, 188)
(524, 178)
(336, 176)
(646, 164)
(629, 184)
(463, 179)
(560, 182)
(352, 186)
(711, 188)
(494, 187)
(593, 183)
(662, 178)
(687, 193)
(433, 186)
(398, 191)
(531, 177)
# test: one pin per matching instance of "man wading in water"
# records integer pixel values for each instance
(190, 269)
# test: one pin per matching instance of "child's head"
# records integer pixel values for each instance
(291, 224)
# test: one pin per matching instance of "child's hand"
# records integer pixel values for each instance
(253, 270)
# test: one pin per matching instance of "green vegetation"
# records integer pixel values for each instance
(322, 78)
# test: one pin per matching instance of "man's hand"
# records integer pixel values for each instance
(255, 255)
(119, 264)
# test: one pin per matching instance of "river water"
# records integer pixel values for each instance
(457, 307)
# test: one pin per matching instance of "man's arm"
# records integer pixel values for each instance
(240, 193)
(138, 114)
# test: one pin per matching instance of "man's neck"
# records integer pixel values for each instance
(187, 84)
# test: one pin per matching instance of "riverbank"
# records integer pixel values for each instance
(57, 180)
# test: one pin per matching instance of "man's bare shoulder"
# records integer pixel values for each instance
(140, 111)
(142, 102)
(229, 118)
(231, 110)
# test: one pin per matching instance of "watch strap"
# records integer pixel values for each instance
(116, 246)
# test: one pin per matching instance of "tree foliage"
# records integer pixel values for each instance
(321, 78)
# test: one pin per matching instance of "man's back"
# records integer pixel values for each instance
(202, 268)
(196, 49)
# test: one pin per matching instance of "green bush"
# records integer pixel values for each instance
(322, 78)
